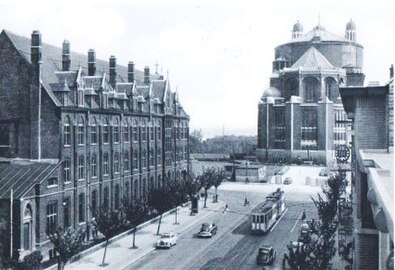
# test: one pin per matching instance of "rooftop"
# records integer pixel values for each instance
(379, 164)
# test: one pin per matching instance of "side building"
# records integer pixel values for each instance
(371, 110)
(73, 137)
(300, 116)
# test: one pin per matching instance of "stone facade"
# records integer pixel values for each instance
(300, 116)
(74, 138)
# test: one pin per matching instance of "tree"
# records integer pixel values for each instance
(110, 223)
(67, 243)
(135, 211)
(206, 180)
(159, 201)
(219, 176)
(319, 252)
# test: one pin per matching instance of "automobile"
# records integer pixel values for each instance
(324, 172)
(296, 245)
(207, 230)
(167, 240)
(266, 255)
(305, 233)
(287, 181)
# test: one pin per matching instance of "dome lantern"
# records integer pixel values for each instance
(297, 30)
(351, 31)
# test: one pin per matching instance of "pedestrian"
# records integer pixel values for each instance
(303, 215)
(226, 208)
(246, 202)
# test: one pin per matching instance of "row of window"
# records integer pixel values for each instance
(52, 206)
(147, 159)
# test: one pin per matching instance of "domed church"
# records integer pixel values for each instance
(301, 116)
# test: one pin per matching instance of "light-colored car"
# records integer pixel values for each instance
(207, 230)
(167, 240)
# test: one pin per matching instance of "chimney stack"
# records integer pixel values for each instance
(66, 55)
(392, 71)
(91, 62)
(113, 71)
(35, 56)
(130, 72)
(146, 75)
(35, 96)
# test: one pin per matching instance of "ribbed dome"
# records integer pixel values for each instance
(298, 27)
(351, 25)
(271, 92)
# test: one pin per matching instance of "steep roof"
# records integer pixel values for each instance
(320, 32)
(312, 58)
(52, 61)
(20, 176)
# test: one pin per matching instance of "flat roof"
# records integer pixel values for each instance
(379, 164)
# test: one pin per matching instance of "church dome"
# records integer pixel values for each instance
(351, 25)
(271, 92)
(298, 27)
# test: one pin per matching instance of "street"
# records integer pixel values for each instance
(234, 247)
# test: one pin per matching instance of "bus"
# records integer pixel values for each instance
(265, 214)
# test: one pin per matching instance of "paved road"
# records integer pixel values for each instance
(233, 247)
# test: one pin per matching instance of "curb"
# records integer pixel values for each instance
(117, 237)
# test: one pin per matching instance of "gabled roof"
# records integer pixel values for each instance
(319, 32)
(20, 176)
(158, 89)
(52, 60)
(312, 58)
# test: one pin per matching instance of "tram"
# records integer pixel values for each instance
(265, 214)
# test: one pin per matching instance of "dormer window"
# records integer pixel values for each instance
(105, 100)
(80, 97)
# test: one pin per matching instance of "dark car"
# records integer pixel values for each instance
(287, 181)
(207, 230)
(304, 234)
(266, 255)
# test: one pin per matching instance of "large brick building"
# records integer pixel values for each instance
(300, 116)
(371, 110)
(73, 136)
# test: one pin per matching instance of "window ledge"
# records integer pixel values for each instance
(52, 186)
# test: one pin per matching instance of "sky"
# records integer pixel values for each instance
(217, 54)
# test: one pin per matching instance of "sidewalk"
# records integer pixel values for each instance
(119, 252)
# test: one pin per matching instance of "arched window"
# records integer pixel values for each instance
(94, 132)
(126, 195)
(106, 198)
(105, 131)
(309, 93)
(81, 168)
(28, 228)
(116, 130)
(94, 200)
(126, 161)
(144, 158)
(81, 207)
(116, 196)
(135, 160)
(66, 170)
(159, 156)
(116, 163)
(80, 131)
(106, 168)
(67, 132)
(143, 133)
(125, 131)
(94, 166)
(66, 212)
